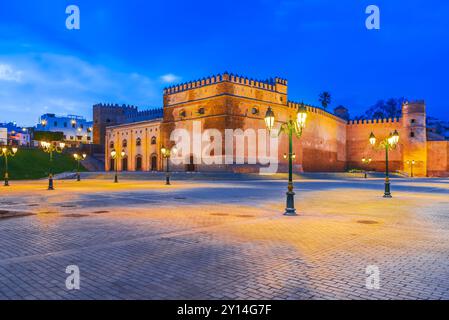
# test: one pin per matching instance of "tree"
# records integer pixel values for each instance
(392, 108)
(325, 99)
(48, 136)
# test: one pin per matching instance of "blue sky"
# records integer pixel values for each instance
(128, 51)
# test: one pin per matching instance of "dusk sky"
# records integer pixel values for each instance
(128, 51)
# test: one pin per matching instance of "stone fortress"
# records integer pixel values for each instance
(227, 101)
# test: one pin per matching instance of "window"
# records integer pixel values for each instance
(111, 145)
(124, 143)
(71, 137)
(201, 111)
(153, 140)
(413, 121)
(79, 137)
(138, 142)
(182, 113)
(88, 138)
(65, 124)
(412, 134)
(55, 123)
(82, 126)
(255, 111)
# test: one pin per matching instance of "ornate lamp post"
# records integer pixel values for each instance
(6, 152)
(114, 156)
(411, 163)
(366, 162)
(78, 159)
(389, 143)
(166, 154)
(291, 127)
(50, 147)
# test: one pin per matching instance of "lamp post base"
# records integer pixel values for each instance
(115, 179)
(387, 193)
(167, 181)
(78, 177)
(6, 183)
(290, 211)
(50, 184)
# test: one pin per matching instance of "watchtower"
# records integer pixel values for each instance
(414, 137)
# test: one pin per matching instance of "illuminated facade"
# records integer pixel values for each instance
(329, 143)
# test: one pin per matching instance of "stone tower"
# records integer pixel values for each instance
(105, 115)
(414, 137)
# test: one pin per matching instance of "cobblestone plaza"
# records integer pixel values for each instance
(225, 239)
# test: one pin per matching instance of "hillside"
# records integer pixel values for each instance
(34, 164)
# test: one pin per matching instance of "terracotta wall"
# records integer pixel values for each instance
(231, 105)
(328, 143)
(358, 146)
(323, 145)
(438, 158)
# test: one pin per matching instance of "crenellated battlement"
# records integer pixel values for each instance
(116, 107)
(269, 84)
(373, 121)
(314, 109)
(146, 114)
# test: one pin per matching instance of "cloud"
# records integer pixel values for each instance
(65, 84)
(170, 78)
(7, 73)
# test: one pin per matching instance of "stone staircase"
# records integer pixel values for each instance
(94, 163)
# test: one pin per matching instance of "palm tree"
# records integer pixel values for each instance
(325, 99)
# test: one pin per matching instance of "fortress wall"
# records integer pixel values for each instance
(438, 158)
(358, 146)
(229, 104)
(323, 144)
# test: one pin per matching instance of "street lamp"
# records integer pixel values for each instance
(115, 156)
(411, 163)
(78, 159)
(166, 154)
(6, 152)
(366, 162)
(389, 143)
(291, 127)
(50, 147)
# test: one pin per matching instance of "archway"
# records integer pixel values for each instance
(190, 166)
(111, 164)
(139, 163)
(153, 162)
(125, 164)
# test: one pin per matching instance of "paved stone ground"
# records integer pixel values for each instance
(225, 240)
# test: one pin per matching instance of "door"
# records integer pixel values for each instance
(154, 162)
(138, 163)
(125, 164)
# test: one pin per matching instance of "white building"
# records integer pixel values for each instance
(76, 129)
(3, 136)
